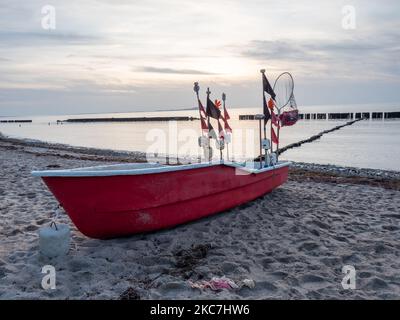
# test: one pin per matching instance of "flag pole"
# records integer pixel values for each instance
(196, 89)
(271, 113)
(260, 117)
(265, 124)
(219, 144)
(260, 146)
(265, 130)
(279, 128)
(272, 144)
(227, 144)
(208, 123)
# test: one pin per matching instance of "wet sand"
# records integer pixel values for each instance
(292, 242)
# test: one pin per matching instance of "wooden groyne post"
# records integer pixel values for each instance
(131, 119)
(15, 121)
(339, 115)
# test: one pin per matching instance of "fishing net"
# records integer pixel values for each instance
(283, 88)
(290, 117)
(292, 102)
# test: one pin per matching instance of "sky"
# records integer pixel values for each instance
(121, 55)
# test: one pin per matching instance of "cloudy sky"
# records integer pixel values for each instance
(121, 55)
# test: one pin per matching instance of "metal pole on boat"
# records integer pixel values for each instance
(227, 146)
(270, 132)
(219, 143)
(196, 89)
(220, 150)
(265, 128)
(260, 146)
(260, 117)
(279, 128)
(208, 123)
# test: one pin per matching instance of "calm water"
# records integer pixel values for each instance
(369, 144)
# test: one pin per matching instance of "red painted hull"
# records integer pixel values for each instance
(112, 206)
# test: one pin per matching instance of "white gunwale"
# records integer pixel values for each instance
(147, 168)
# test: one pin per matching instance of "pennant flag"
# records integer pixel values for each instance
(212, 110)
(267, 87)
(274, 119)
(226, 117)
(226, 114)
(221, 131)
(267, 114)
(203, 115)
(204, 126)
(227, 126)
(271, 104)
(274, 138)
(201, 109)
(211, 131)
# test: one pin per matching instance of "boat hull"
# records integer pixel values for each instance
(119, 205)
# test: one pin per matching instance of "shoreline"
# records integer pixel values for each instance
(42, 148)
(64, 150)
(291, 243)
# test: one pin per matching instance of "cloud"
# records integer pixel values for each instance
(355, 57)
(174, 71)
(304, 49)
(47, 38)
(121, 48)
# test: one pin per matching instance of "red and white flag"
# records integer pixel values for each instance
(275, 119)
(226, 114)
(227, 126)
(203, 117)
(274, 138)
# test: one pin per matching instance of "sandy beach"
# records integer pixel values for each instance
(292, 242)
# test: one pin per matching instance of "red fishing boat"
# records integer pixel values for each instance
(117, 200)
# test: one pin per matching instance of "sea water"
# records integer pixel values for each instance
(367, 143)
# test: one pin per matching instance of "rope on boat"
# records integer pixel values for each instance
(316, 137)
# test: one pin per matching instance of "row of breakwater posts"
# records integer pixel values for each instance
(15, 121)
(131, 119)
(316, 136)
(339, 116)
(303, 116)
(134, 119)
(312, 138)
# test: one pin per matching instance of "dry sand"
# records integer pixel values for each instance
(292, 242)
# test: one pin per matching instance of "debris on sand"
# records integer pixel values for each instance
(188, 259)
(129, 294)
(215, 284)
(218, 284)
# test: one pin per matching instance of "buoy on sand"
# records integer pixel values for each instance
(54, 240)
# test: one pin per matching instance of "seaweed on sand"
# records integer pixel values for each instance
(188, 259)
